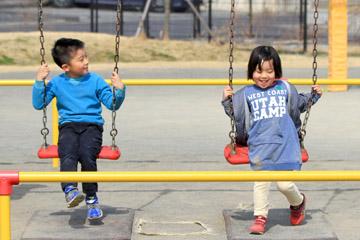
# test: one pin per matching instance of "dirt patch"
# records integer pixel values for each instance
(22, 49)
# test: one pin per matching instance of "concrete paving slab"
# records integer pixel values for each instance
(73, 225)
(315, 226)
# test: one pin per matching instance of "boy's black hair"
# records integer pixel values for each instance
(261, 54)
(63, 49)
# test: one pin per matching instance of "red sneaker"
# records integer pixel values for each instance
(297, 213)
(258, 226)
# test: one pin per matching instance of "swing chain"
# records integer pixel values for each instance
(117, 37)
(42, 38)
(314, 76)
(44, 131)
(114, 131)
(232, 132)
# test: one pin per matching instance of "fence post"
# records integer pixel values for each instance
(210, 19)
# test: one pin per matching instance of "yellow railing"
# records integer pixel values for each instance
(201, 81)
(171, 176)
(190, 176)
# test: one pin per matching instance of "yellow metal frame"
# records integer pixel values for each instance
(201, 81)
(170, 176)
(190, 176)
(5, 229)
(338, 42)
(55, 129)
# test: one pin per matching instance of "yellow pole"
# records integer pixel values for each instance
(337, 34)
(190, 176)
(207, 81)
(55, 129)
(5, 229)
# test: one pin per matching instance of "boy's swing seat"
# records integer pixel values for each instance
(107, 152)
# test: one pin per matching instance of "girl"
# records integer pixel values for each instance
(267, 118)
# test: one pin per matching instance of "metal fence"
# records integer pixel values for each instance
(270, 21)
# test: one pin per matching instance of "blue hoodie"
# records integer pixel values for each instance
(268, 121)
(78, 100)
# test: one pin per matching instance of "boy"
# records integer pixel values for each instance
(79, 95)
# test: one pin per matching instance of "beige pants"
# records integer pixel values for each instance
(261, 196)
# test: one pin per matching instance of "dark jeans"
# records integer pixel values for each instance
(80, 142)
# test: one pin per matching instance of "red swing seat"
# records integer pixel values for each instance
(242, 155)
(106, 152)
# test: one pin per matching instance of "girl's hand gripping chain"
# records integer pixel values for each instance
(227, 93)
(317, 89)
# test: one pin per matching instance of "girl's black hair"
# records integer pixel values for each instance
(261, 54)
(63, 49)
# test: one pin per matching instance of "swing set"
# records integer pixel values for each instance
(237, 154)
(51, 151)
(233, 153)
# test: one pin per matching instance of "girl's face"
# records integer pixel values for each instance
(265, 77)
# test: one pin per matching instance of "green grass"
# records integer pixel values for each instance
(5, 60)
(159, 56)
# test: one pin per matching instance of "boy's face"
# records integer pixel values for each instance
(265, 77)
(78, 65)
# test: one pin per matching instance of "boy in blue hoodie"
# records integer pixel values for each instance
(267, 119)
(79, 95)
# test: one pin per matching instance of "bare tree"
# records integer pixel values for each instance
(166, 29)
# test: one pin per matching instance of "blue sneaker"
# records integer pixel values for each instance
(73, 196)
(94, 211)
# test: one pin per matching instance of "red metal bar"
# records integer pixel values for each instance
(7, 180)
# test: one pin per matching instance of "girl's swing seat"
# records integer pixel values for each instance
(241, 155)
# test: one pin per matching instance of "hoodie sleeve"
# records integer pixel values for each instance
(298, 104)
(237, 107)
(304, 99)
(227, 104)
